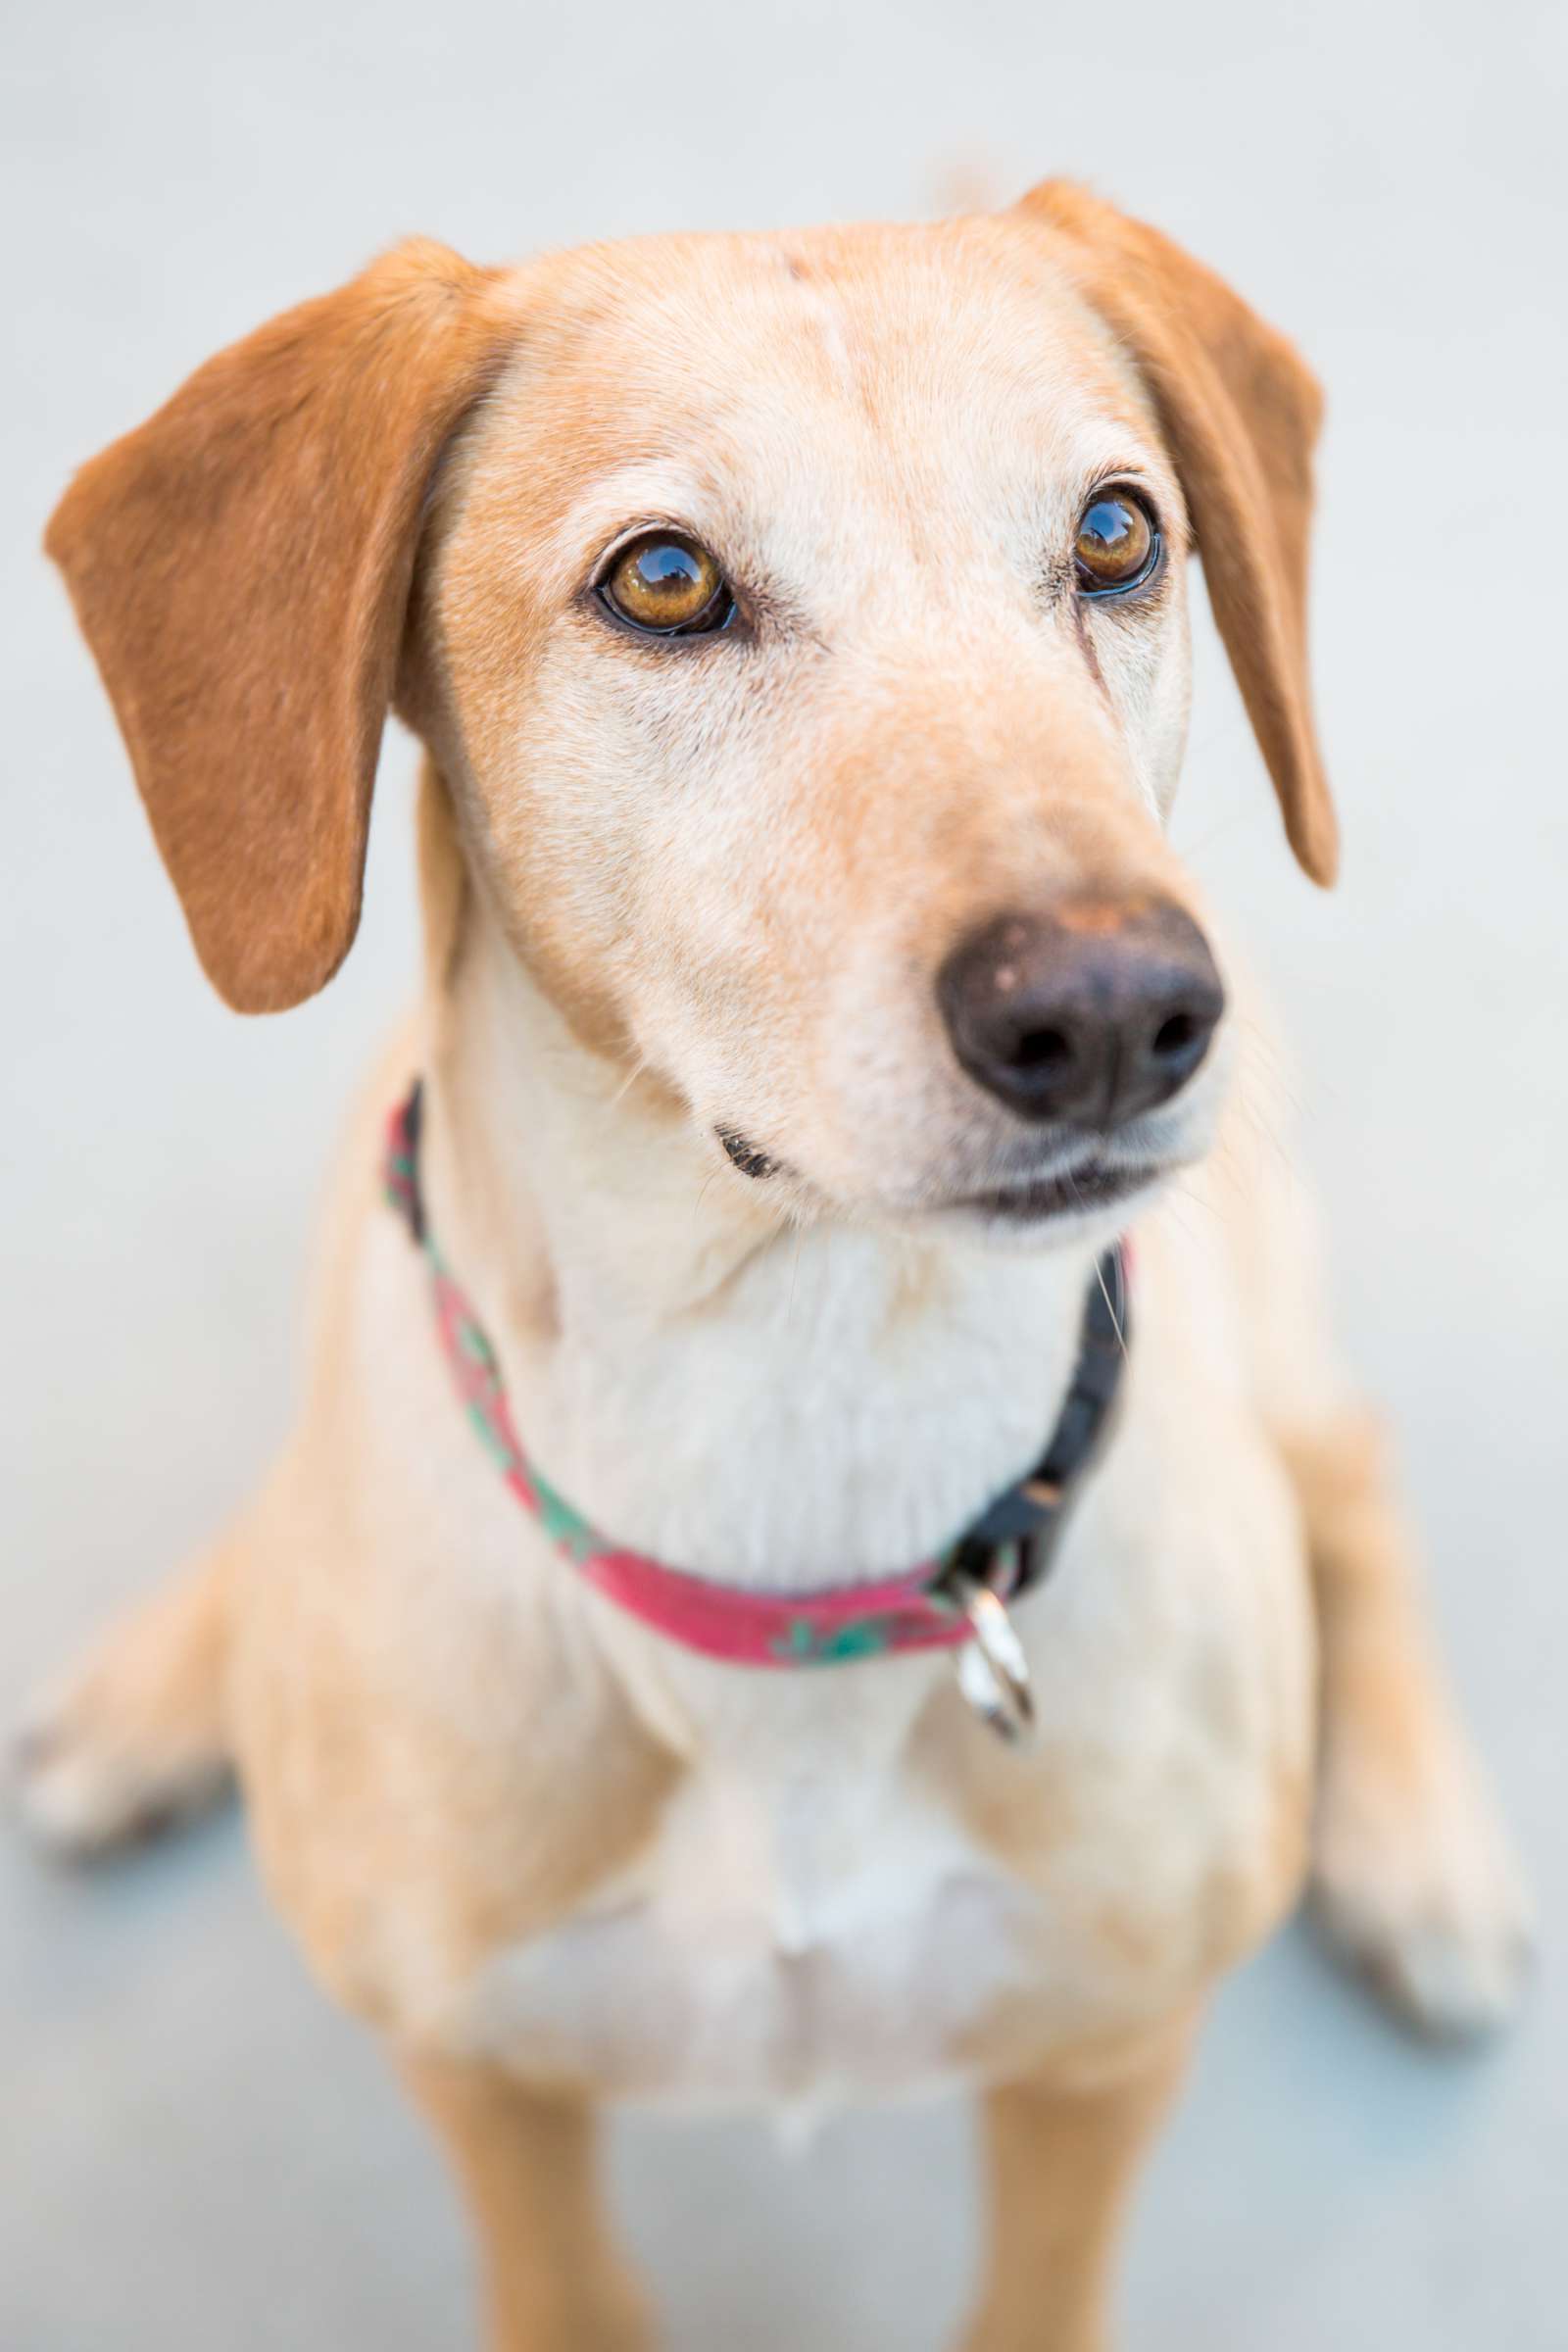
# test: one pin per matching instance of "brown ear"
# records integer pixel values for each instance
(1240, 411)
(240, 567)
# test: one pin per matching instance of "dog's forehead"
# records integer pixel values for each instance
(962, 338)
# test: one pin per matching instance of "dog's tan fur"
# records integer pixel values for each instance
(668, 888)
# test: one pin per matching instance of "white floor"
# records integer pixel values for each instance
(194, 2151)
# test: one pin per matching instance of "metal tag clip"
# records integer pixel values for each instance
(992, 1670)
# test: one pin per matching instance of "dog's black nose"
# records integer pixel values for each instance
(1088, 1014)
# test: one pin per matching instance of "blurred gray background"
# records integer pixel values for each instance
(194, 2152)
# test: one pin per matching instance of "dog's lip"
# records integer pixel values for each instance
(1075, 1191)
(746, 1157)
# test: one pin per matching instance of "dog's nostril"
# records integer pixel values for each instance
(1042, 1050)
(1177, 1034)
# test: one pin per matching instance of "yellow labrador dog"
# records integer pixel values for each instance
(758, 1366)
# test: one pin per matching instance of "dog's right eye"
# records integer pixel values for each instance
(1117, 547)
(667, 586)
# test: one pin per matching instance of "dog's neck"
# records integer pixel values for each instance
(769, 1403)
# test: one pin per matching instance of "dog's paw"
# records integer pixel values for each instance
(81, 1788)
(81, 1796)
(1422, 1897)
(132, 1741)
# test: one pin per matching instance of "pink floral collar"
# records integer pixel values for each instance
(930, 1607)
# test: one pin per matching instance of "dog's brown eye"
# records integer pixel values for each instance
(1117, 545)
(670, 587)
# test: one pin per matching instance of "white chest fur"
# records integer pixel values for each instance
(786, 1942)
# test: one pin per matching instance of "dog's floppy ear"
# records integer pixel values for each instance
(1240, 411)
(240, 567)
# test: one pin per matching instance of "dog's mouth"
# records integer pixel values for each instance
(1086, 1188)
(1080, 1190)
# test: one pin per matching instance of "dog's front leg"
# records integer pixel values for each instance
(1059, 2162)
(1413, 1876)
(525, 2164)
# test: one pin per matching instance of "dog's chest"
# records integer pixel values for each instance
(845, 1889)
(785, 1938)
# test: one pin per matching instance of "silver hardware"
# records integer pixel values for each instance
(992, 1670)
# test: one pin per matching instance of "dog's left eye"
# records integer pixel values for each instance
(667, 586)
(1117, 545)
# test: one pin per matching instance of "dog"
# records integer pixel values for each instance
(826, 1551)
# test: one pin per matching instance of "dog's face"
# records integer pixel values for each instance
(771, 674)
(799, 625)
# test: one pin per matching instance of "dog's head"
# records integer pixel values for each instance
(799, 624)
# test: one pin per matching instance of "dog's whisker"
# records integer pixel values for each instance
(1111, 1308)
(702, 1192)
(629, 1081)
